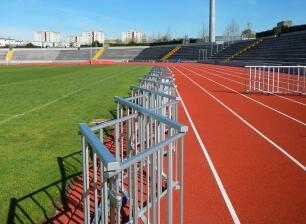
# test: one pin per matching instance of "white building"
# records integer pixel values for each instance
(86, 38)
(73, 40)
(132, 36)
(9, 42)
(89, 37)
(47, 38)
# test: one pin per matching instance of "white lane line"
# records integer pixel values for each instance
(212, 167)
(53, 101)
(256, 101)
(240, 77)
(248, 124)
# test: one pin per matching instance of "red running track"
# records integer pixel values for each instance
(257, 152)
(244, 153)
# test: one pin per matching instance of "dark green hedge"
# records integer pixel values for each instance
(280, 30)
(180, 41)
(265, 33)
(294, 29)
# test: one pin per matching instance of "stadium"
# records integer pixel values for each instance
(184, 127)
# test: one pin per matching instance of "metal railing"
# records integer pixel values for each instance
(276, 79)
(132, 162)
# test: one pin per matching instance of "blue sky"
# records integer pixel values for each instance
(20, 18)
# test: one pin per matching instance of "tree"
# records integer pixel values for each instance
(159, 37)
(30, 45)
(96, 44)
(232, 30)
(247, 33)
(144, 38)
(204, 33)
(168, 35)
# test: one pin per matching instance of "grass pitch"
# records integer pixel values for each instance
(40, 108)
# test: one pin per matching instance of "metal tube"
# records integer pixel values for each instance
(298, 82)
(212, 21)
(169, 184)
(135, 194)
(95, 187)
(105, 198)
(288, 75)
(278, 80)
(268, 81)
(181, 212)
(153, 186)
(152, 114)
(304, 75)
(85, 181)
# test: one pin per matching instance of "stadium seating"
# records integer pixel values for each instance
(192, 52)
(286, 49)
(154, 53)
(232, 49)
(34, 55)
(122, 53)
(75, 54)
(41, 55)
(3, 54)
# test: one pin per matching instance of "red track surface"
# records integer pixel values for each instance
(257, 149)
(263, 184)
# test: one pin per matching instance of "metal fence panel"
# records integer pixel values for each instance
(132, 162)
(276, 79)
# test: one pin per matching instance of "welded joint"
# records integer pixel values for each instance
(116, 199)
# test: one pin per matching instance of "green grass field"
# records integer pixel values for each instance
(40, 108)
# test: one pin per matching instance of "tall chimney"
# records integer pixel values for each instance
(212, 21)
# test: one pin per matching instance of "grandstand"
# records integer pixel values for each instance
(2, 55)
(231, 49)
(78, 55)
(154, 53)
(195, 52)
(38, 55)
(122, 53)
(286, 49)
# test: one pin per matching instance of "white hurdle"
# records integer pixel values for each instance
(276, 79)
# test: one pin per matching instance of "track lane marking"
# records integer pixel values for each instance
(240, 77)
(256, 101)
(279, 148)
(211, 166)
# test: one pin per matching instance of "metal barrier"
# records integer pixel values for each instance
(276, 79)
(132, 162)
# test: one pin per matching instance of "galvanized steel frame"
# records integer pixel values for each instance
(276, 79)
(146, 161)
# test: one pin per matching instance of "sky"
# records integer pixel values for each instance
(21, 18)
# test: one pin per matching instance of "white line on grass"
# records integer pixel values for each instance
(248, 124)
(212, 167)
(60, 98)
(256, 101)
(54, 101)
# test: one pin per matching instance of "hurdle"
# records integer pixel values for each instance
(134, 161)
(276, 79)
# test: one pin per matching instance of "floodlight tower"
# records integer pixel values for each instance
(212, 21)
